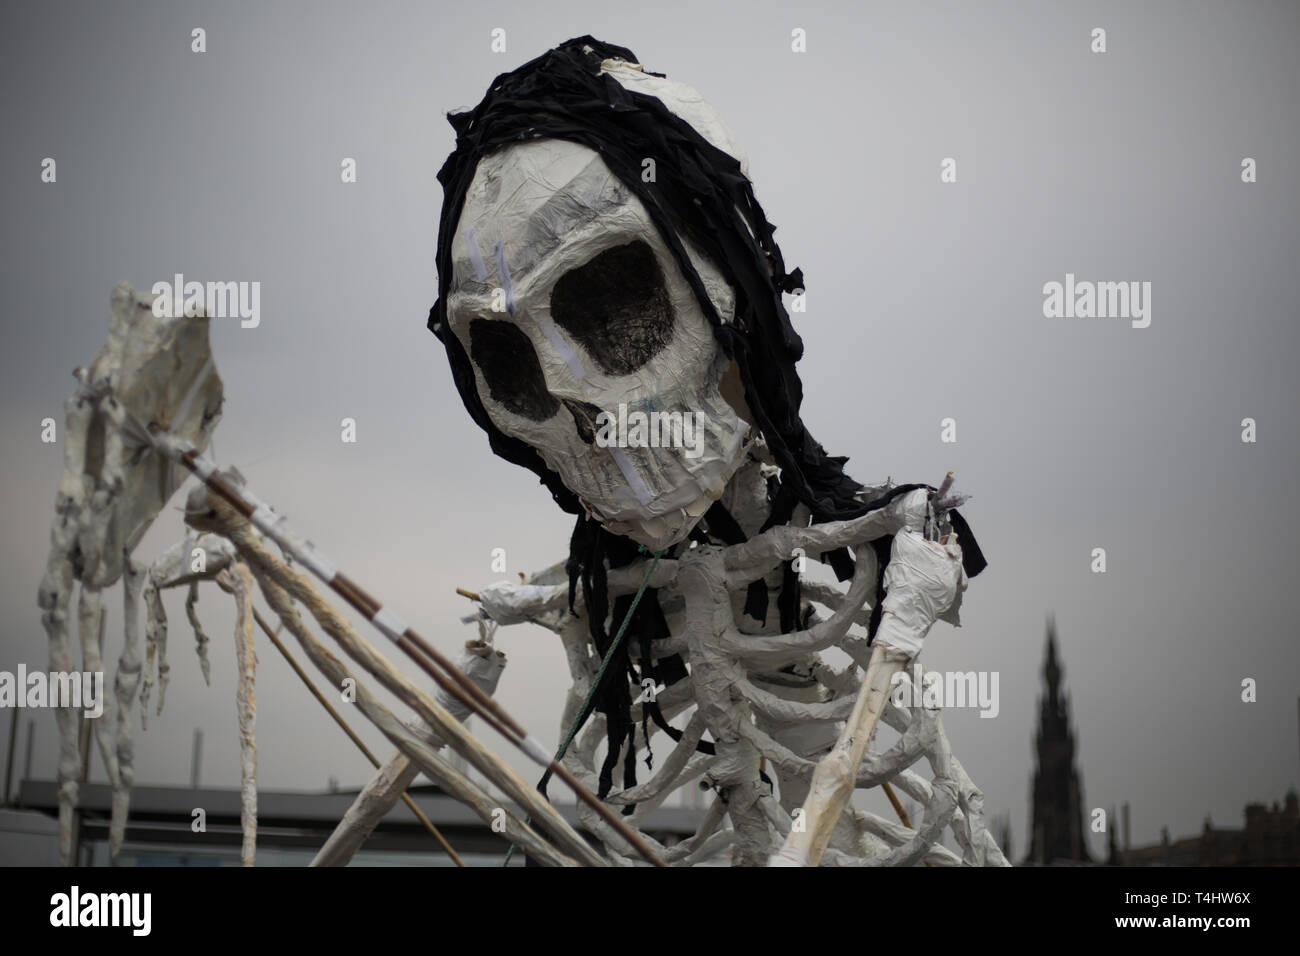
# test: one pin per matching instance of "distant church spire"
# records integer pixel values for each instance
(1057, 832)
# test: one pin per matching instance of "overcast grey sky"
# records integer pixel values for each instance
(924, 302)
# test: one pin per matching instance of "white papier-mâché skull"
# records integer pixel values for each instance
(568, 304)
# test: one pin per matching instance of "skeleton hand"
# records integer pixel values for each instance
(922, 582)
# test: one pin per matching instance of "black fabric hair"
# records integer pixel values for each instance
(699, 191)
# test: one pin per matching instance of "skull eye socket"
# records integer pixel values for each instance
(510, 367)
(616, 307)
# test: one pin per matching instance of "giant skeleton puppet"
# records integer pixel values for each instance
(601, 251)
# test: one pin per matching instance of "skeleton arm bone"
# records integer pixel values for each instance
(760, 554)
(921, 582)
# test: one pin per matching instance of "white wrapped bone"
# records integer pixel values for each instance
(239, 582)
(508, 603)
(170, 570)
(92, 619)
(125, 686)
(921, 583)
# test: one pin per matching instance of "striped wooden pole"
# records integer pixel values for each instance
(361, 745)
(444, 673)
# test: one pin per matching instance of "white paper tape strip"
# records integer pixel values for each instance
(562, 347)
(316, 561)
(388, 622)
(204, 467)
(504, 273)
(533, 747)
(632, 476)
(543, 322)
(265, 520)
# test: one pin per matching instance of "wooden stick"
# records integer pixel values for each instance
(944, 487)
(338, 719)
(416, 747)
(428, 658)
(898, 807)
(282, 585)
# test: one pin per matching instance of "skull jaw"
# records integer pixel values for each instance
(656, 532)
(669, 518)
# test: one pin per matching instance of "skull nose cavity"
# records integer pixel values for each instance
(584, 419)
(616, 307)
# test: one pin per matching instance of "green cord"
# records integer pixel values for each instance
(609, 656)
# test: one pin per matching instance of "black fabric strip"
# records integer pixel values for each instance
(783, 502)
(972, 557)
(756, 600)
(841, 562)
(657, 716)
(614, 737)
(882, 547)
(788, 600)
(629, 769)
(721, 523)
